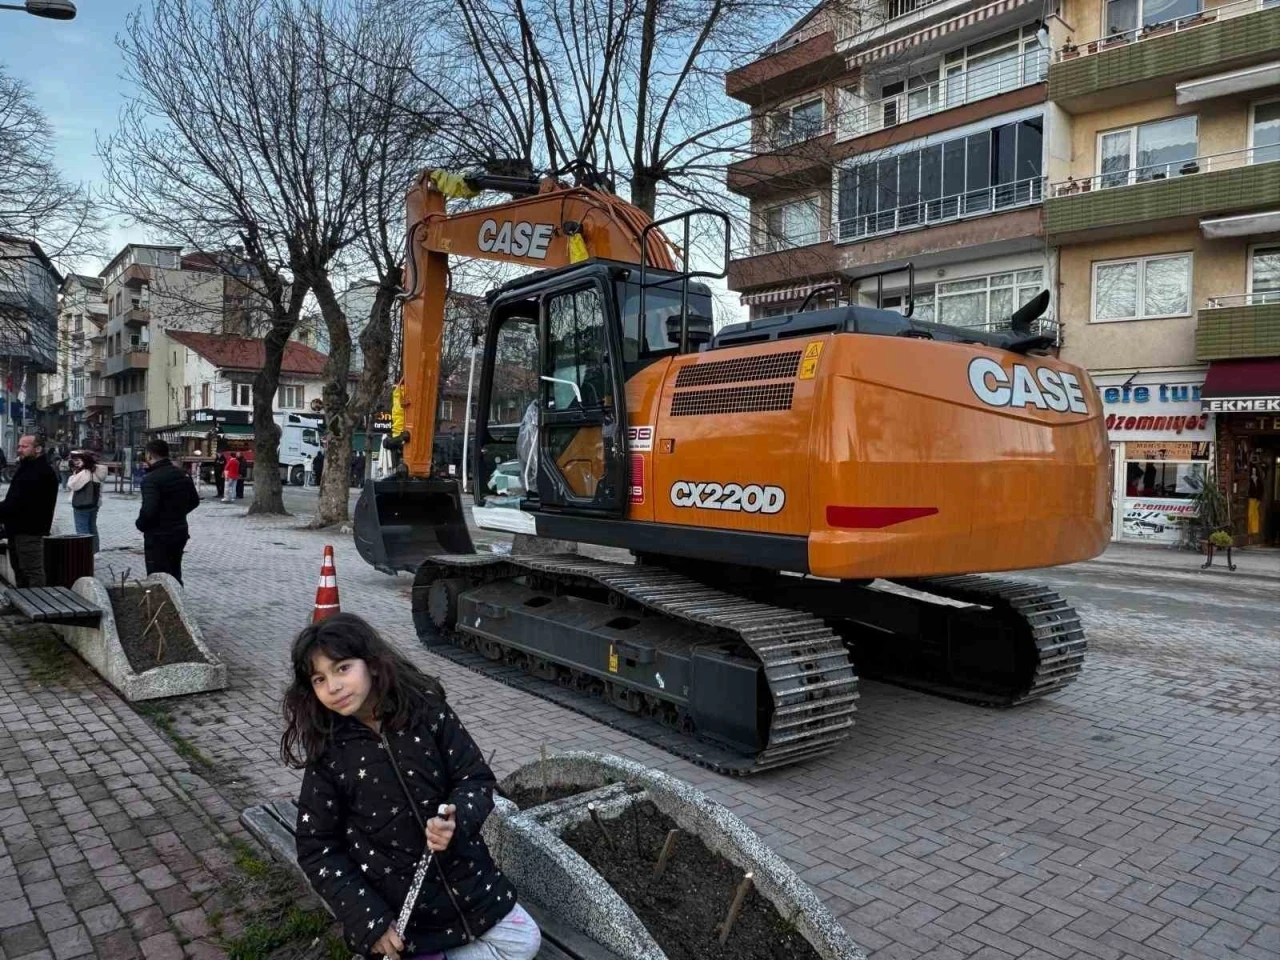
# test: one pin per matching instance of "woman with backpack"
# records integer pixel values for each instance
(85, 485)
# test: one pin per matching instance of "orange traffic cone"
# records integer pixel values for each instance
(327, 590)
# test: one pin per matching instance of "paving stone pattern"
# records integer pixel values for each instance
(1135, 815)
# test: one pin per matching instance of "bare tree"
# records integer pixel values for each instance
(36, 205)
(241, 136)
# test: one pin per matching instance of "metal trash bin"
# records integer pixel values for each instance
(67, 558)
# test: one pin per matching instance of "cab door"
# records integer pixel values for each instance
(582, 406)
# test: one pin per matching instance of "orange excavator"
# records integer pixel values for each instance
(806, 498)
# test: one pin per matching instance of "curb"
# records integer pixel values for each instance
(1156, 569)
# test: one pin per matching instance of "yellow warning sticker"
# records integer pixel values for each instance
(809, 365)
(613, 659)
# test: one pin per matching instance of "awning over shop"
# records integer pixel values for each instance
(783, 294)
(242, 430)
(894, 47)
(1242, 386)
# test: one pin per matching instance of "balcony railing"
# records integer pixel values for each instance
(893, 9)
(1243, 300)
(762, 245)
(977, 84)
(1172, 170)
(1120, 38)
(929, 212)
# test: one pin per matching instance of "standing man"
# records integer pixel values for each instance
(232, 475)
(317, 465)
(240, 475)
(168, 495)
(27, 511)
(219, 472)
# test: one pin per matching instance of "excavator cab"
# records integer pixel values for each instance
(559, 349)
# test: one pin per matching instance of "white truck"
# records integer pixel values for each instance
(300, 435)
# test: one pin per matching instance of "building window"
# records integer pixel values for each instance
(1126, 16)
(1264, 274)
(991, 170)
(204, 395)
(242, 395)
(1148, 151)
(446, 410)
(291, 397)
(803, 121)
(186, 397)
(984, 303)
(790, 225)
(1142, 288)
(1264, 132)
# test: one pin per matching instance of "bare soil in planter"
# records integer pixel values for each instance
(132, 618)
(683, 908)
(525, 797)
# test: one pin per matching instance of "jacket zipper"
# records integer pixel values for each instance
(386, 745)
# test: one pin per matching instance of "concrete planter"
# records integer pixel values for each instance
(527, 846)
(100, 647)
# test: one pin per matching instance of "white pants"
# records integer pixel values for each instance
(514, 937)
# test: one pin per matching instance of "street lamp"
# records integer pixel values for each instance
(49, 9)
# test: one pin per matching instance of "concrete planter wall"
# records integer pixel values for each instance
(100, 647)
(527, 846)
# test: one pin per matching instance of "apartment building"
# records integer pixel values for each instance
(73, 399)
(894, 131)
(28, 334)
(1164, 204)
(150, 289)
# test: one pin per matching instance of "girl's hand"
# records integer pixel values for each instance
(440, 830)
(389, 944)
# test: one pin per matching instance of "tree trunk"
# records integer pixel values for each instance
(644, 190)
(335, 483)
(268, 493)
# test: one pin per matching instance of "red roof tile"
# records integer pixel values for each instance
(241, 353)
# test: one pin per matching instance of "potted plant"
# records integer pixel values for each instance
(1189, 167)
(1086, 184)
(1069, 51)
(1219, 540)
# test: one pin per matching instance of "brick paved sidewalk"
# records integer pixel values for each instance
(110, 845)
(1134, 815)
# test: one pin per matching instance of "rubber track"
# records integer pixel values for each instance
(1052, 624)
(810, 676)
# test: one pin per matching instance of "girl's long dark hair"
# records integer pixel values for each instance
(399, 689)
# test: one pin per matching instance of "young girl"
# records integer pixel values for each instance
(382, 751)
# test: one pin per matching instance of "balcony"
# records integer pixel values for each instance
(762, 245)
(129, 402)
(133, 358)
(1238, 327)
(137, 316)
(805, 62)
(930, 212)
(1142, 64)
(1130, 202)
(94, 365)
(93, 401)
(956, 91)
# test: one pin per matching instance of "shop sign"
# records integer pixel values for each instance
(1156, 518)
(1166, 450)
(1243, 405)
(1153, 410)
(1256, 425)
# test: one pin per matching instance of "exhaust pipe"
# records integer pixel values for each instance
(399, 523)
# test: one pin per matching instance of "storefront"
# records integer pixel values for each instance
(1244, 395)
(1162, 446)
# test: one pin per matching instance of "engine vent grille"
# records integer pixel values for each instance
(757, 399)
(770, 366)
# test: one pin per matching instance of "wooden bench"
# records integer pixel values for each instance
(274, 825)
(53, 605)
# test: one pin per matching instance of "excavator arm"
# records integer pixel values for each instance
(553, 226)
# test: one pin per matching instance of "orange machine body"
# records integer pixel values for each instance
(877, 449)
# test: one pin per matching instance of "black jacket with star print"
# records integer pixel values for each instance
(359, 842)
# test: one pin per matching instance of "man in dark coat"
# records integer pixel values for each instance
(27, 511)
(220, 473)
(168, 495)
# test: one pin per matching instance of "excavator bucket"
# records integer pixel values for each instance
(399, 523)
